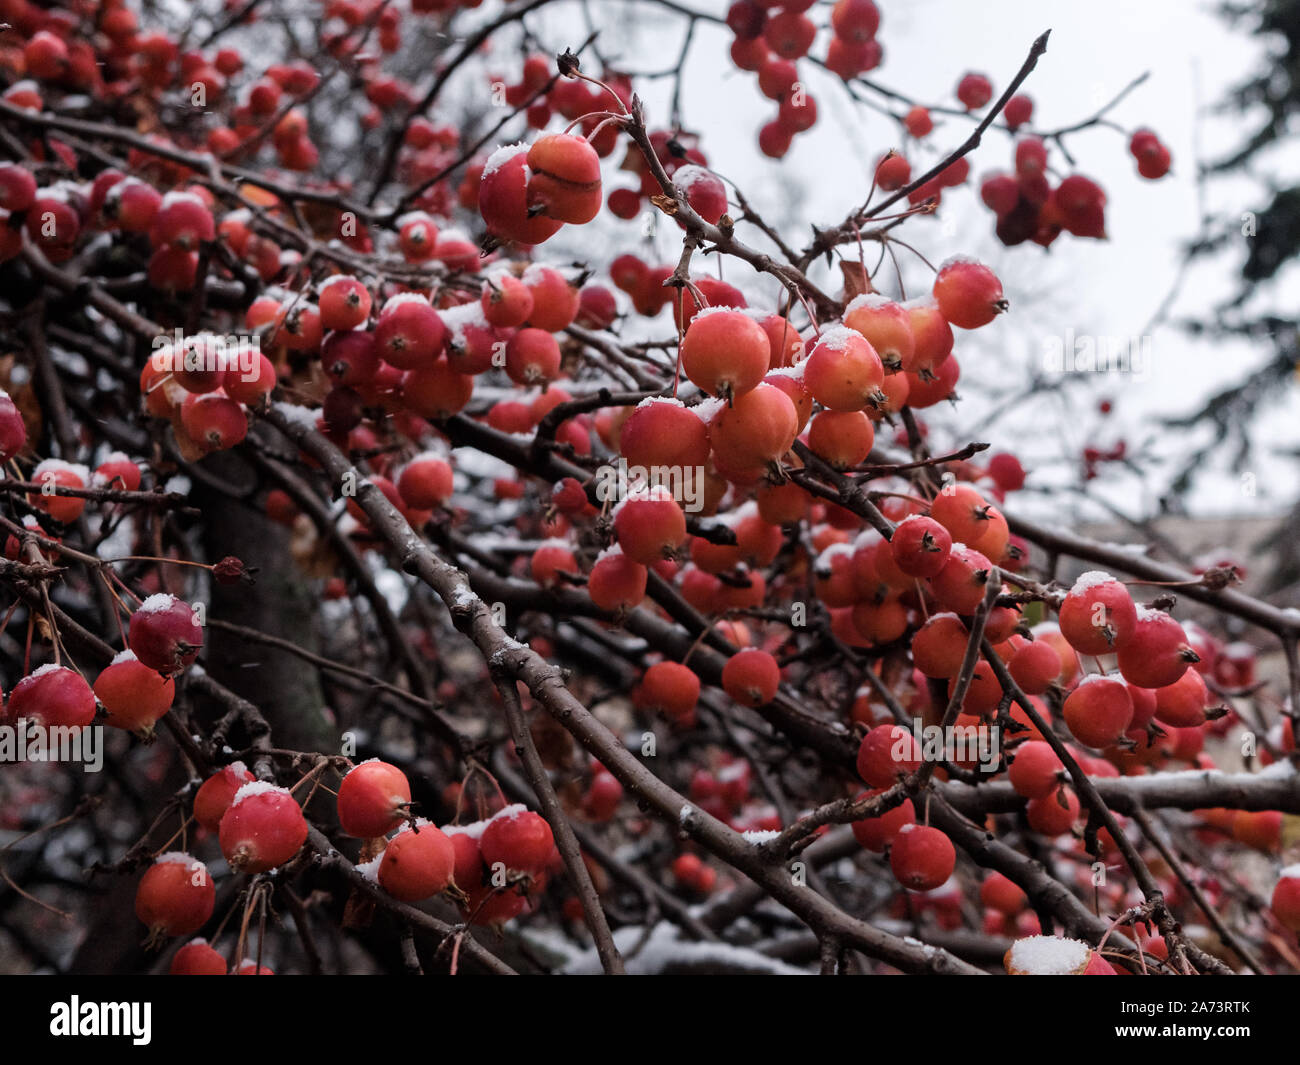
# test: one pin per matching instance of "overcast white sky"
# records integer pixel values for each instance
(1100, 288)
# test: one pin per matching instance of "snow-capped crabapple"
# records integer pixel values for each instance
(920, 546)
(503, 195)
(164, 634)
(507, 301)
(409, 332)
(616, 582)
(134, 696)
(842, 370)
(555, 298)
(51, 475)
(704, 191)
(725, 352)
(518, 839)
(52, 696)
(215, 794)
(663, 432)
(649, 525)
(1097, 616)
(263, 827)
(961, 584)
(344, 302)
(887, 326)
(939, 645)
(176, 895)
(1157, 653)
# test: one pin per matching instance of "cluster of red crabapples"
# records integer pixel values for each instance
(492, 868)
(770, 39)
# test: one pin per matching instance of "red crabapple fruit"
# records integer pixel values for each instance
(164, 634)
(263, 828)
(417, 863)
(175, 896)
(373, 799)
(922, 858)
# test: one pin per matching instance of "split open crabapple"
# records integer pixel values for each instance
(262, 828)
(373, 799)
(564, 178)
